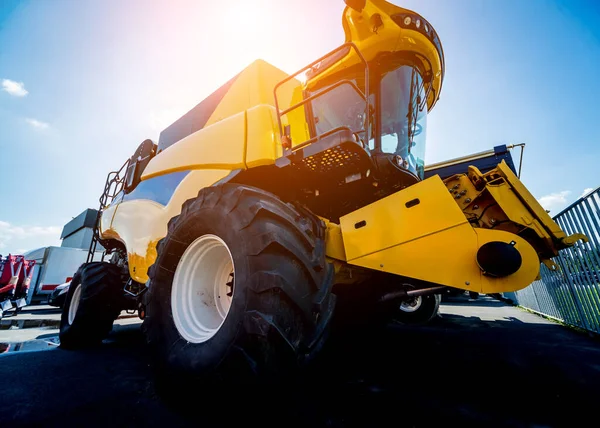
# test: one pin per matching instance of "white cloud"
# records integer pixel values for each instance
(15, 238)
(586, 191)
(37, 124)
(16, 89)
(555, 201)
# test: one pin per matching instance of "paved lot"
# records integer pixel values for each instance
(482, 363)
(36, 328)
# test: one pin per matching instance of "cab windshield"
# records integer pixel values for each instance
(341, 106)
(403, 117)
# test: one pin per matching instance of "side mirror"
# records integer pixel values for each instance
(131, 175)
(137, 163)
(357, 5)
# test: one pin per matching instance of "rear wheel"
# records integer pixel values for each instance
(418, 310)
(92, 304)
(240, 286)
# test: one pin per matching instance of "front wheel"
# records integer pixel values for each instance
(240, 282)
(418, 310)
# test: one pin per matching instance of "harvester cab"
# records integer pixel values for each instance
(259, 208)
(374, 92)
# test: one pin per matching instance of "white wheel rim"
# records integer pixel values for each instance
(203, 279)
(74, 305)
(411, 305)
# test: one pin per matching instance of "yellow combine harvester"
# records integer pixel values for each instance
(230, 235)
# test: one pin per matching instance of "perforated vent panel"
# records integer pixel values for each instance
(342, 157)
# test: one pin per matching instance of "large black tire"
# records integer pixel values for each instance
(99, 305)
(427, 310)
(282, 303)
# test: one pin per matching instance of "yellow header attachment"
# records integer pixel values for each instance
(478, 232)
(420, 233)
(499, 200)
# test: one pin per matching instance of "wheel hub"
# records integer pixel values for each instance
(203, 289)
(74, 305)
(412, 304)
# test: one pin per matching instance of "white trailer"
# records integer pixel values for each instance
(54, 266)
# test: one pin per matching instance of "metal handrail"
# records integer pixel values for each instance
(113, 177)
(324, 91)
(364, 95)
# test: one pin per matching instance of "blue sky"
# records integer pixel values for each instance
(84, 82)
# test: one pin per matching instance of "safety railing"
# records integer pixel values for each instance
(571, 294)
(311, 70)
(113, 187)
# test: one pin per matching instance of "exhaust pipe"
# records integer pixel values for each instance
(403, 294)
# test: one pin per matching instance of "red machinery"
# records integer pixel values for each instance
(15, 276)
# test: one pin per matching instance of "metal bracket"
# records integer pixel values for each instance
(570, 240)
(134, 288)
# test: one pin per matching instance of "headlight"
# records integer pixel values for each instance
(416, 23)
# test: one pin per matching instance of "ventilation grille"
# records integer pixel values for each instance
(336, 158)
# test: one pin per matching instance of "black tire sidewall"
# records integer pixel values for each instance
(65, 326)
(200, 357)
(98, 307)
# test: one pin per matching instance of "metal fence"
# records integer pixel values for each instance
(571, 294)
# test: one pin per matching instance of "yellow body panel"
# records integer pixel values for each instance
(220, 146)
(516, 211)
(263, 139)
(530, 266)
(389, 222)
(296, 118)
(246, 140)
(498, 200)
(253, 86)
(430, 241)
(334, 241)
(141, 223)
(106, 217)
(531, 203)
(242, 131)
(373, 31)
(449, 258)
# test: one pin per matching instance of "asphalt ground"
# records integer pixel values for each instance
(482, 363)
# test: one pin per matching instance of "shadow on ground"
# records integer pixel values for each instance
(460, 370)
